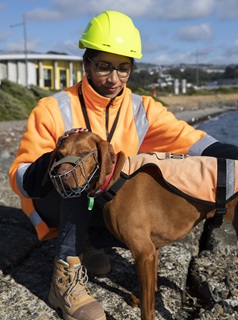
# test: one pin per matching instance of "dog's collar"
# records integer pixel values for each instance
(102, 189)
(106, 183)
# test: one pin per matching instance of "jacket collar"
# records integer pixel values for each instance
(94, 100)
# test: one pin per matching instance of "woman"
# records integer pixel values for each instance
(103, 104)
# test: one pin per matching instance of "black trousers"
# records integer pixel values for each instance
(74, 220)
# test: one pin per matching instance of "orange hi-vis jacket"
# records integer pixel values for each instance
(143, 126)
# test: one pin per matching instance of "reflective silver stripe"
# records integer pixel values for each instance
(19, 178)
(198, 147)
(65, 108)
(140, 118)
(230, 178)
(141, 121)
(35, 218)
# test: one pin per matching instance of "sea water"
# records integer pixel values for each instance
(223, 127)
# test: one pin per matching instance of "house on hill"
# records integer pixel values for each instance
(47, 70)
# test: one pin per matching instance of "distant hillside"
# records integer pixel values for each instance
(16, 101)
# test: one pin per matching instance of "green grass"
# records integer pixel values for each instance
(16, 101)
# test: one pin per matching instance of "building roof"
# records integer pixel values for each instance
(37, 56)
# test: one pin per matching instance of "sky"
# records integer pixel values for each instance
(172, 31)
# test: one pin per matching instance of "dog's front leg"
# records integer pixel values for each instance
(145, 263)
(156, 269)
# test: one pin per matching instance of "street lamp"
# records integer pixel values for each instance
(25, 44)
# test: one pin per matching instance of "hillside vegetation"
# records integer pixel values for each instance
(16, 101)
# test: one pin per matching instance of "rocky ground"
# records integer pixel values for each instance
(194, 282)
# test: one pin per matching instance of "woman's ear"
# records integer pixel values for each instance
(86, 67)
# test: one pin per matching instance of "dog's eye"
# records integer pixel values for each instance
(83, 154)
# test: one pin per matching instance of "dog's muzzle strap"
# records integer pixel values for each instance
(61, 181)
(67, 159)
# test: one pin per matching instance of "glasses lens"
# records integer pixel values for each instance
(103, 68)
(124, 70)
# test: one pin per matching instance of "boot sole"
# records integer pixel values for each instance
(55, 304)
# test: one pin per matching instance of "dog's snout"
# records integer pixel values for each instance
(64, 169)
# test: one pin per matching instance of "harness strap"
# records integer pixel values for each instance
(108, 195)
(217, 219)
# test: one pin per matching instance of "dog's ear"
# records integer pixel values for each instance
(106, 158)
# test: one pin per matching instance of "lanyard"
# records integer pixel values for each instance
(86, 118)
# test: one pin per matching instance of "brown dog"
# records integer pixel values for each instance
(145, 213)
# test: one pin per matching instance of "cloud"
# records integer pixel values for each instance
(183, 9)
(195, 33)
(74, 9)
(78, 7)
(32, 45)
(232, 51)
(4, 35)
(202, 55)
(162, 9)
(156, 9)
(43, 15)
(163, 59)
(188, 57)
(227, 9)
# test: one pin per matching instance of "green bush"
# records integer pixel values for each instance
(11, 108)
(16, 101)
(40, 93)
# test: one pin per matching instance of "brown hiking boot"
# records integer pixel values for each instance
(69, 292)
(95, 261)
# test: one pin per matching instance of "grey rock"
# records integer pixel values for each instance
(193, 284)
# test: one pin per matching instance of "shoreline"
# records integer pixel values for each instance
(194, 116)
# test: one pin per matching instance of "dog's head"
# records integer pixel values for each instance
(76, 161)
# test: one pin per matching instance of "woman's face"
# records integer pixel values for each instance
(108, 85)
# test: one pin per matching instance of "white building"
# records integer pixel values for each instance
(48, 71)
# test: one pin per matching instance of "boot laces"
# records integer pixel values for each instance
(78, 285)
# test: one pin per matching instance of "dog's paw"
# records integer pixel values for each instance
(133, 301)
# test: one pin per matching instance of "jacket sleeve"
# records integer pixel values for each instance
(221, 150)
(39, 140)
(168, 134)
(34, 175)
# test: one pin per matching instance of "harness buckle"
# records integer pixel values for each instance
(169, 155)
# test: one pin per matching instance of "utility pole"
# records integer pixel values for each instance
(25, 44)
(197, 70)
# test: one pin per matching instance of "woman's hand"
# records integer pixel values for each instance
(68, 133)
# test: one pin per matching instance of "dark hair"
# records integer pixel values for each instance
(92, 53)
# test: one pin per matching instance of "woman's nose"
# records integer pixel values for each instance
(113, 76)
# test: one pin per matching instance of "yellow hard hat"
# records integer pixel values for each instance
(114, 32)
